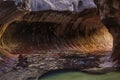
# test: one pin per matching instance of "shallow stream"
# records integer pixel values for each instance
(81, 76)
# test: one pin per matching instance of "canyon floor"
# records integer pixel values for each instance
(39, 64)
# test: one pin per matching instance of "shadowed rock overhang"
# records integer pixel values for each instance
(110, 16)
(23, 32)
(57, 31)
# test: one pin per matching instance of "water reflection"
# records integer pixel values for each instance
(76, 75)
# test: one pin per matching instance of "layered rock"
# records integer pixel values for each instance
(58, 31)
(59, 5)
(110, 16)
(52, 31)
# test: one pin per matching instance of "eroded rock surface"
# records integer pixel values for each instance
(59, 5)
(110, 16)
(21, 33)
(41, 63)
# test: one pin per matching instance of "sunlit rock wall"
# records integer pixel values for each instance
(58, 31)
(81, 31)
(52, 31)
(110, 16)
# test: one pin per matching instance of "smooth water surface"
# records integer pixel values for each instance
(81, 76)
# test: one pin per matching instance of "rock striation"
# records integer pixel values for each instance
(110, 16)
(72, 27)
(59, 5)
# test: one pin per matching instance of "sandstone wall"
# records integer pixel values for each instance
(110, 16)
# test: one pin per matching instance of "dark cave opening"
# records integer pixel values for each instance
(23, 37)
(51, 32)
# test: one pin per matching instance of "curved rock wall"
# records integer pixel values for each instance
(58, 31)
(110, 15)
(52, 31)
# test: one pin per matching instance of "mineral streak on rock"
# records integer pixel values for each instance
(110, 15)
(57, 31)
(53, 32)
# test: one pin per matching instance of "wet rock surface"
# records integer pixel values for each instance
(43, 63)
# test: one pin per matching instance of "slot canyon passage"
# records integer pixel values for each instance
(52, 36)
